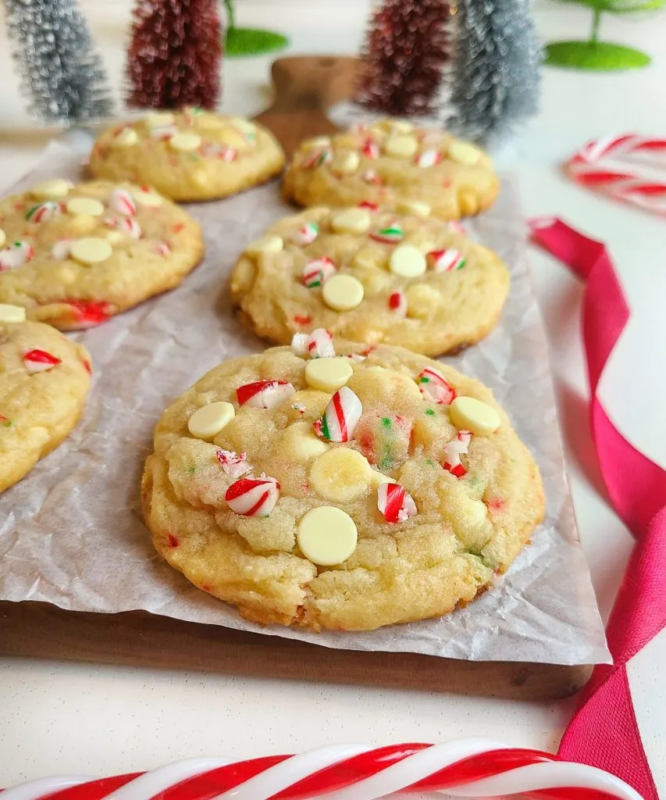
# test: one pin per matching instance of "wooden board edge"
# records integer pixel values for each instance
(139, 639)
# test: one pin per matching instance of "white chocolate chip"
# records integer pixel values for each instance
(470, 414)
(473, 514)
(328, 374)
(464, 153)
(370, 257)
(48, 190)
(209, 122)
(343, 292)
(185, 142)
(327, 536)
(267, 244)
(206, 422)
(354, 220)
(316, 143)
(415, 207)
(149, 198)
(9, 313)
(378, 478)
(401, 146)
(159, 119)
(422, 301)
(85, 205)
(3, 237)
(407, 261)
(346, 162)
(341, 475)
(90, 250)
(300, 443)
(114, 237)
(128, 137)
(399, 125)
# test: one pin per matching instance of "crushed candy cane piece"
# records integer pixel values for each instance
(264, 394)
(16, 255)
(61, 248)
(435, 387)
(162, 249)
(356, 357)
(395, 502)
(428, 158)
(341, 417)
(447, 260)
(43, 212)
(398, 302)
(39, 361)
(372, 177)
(367, 204)
(320, 344)
(221, 151)
(454, 449)
(235, 465)
(300, 407)
(122, 202)
(457, 227)
(370, 148)
(89, 313)
(253, 497)
(390, 235)
(299, 344)
(318, 158)
(316, 273)
(127, 225)
(306, 234)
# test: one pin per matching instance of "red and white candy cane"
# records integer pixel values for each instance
(586, 167)
(476, 768)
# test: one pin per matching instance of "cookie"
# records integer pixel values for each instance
(74, 256)
(370, 276)
(319, 487)
(44, 381)
(189, 156)
(394, 165)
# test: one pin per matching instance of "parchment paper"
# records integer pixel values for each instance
(71, 532)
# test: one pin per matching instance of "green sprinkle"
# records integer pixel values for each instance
(430, 412)
(191, 470)
(194, 158)
(386, 422)
(430, 462)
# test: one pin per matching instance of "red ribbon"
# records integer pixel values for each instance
(604, 731)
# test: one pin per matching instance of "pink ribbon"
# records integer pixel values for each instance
(604, 731)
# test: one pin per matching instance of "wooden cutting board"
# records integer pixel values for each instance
(304, 89)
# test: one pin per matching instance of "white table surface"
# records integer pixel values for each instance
(60, 717)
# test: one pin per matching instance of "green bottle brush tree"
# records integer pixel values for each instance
(249, 41)
(603, 56)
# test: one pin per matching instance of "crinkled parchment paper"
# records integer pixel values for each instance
(71, 532)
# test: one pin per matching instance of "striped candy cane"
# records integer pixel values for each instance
(586, 167)
(476, 768)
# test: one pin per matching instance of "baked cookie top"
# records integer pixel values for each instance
(325, 485)
(395, 165)
(371, 276)
(190, 155)
(76, 255)
(44, 381)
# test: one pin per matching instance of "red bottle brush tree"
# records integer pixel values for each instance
(406, 47)
(175, 54)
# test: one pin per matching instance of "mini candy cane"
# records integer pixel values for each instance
(253, 497)
(372, 177)
(398, 302)
(122, 202)
(428, 158)
(395, 502)
(39, 361)
(473, 767)
(447, 260)
(264, 394)
(43, 212)
(454, 449)
(340, 418)
(390, 235)
(61, 248)
(370, 148)
(306, 234)
(234, 465)
(586, 168)
(316, 273)
(434, 386)
(318, 158)
(16, 255)
(127, 225)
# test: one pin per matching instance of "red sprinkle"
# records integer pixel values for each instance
(300, 319)
(206, 587)
(178, 228)
(366, 204)
(88, 366)
(172, 541)
(497, 504)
